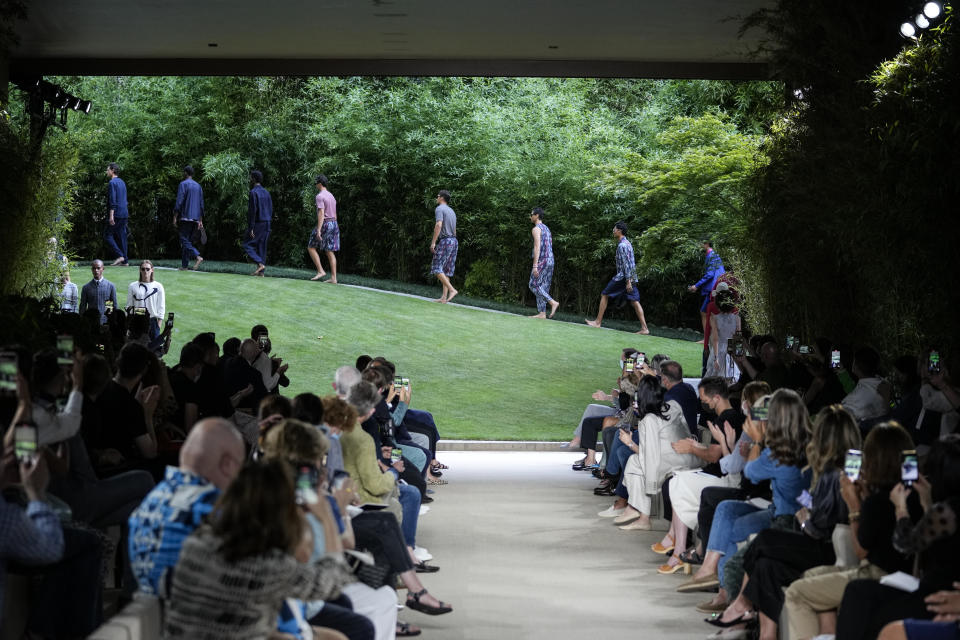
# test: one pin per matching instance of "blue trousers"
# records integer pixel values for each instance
(733, 522)
(540, 286)
(256, 247)
(188, 252)
(618, 454)
(116, 237)
(410, 505)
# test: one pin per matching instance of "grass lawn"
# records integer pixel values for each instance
(484, 375)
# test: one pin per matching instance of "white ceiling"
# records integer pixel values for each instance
(610, 37)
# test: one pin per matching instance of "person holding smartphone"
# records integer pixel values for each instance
(148, 294)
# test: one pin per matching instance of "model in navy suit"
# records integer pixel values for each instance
(116, 232)
(259, 215)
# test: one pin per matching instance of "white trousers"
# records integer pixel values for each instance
(380, 605)
(685, 490)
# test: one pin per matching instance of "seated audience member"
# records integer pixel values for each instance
(611, 405)
(661, 425)
(724, 463)
(811, 600)
(824, 387)
(99, 502)
(870, 399)
(671, 377)
(773, 370)
(210, 458)
(867, 605)
(127, 438)
(233, 574)
(392, 432)
(183, 381)
(379, 531)
(239, 374)
(940, 401)
(49, 382)
(627, 386)
(777, 557)
(211, 390)
(299, 443)
(272, 370)
(781, 461)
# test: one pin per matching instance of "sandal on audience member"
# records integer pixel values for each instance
(656, 547)
(405, 629)
(692, 556)
(413, 602)
(636, 525)
(436, 481)
(578, 465)
(747, 617)
(438, 465)
(669, 569)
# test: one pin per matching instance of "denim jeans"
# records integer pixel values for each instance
(187, 250)
(410, 505)
(733, 522)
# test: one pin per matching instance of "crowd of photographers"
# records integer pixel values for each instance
(804, 484)
(249, 514)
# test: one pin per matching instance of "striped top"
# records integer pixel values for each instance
(626, 265)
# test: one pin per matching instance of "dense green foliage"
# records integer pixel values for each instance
(850, 233)
(501, 146)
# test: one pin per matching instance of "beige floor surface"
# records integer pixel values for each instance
(523, 555)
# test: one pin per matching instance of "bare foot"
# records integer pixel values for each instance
(541, 315)
(259, 270)
(593, 323)
(643, 332)
(117, 262)
(331, 281)
(196, 265)
(440, 300)
(317, 277)
(554, 305)
(450, 297)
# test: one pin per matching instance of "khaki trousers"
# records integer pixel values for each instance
(821, 589)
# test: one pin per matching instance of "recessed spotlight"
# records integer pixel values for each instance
(212, 44)
(908, 30)
(932, 10)
(552, 46)
(921, 21)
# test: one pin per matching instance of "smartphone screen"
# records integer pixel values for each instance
(835, 359)
(64, 349)
(628, 366)
(339, 478)
(805, 499)
(759, 413)
(851, 464)
(738, 348)
(263, 341)
(8, 373)
(25, 442)
(641, 358)
(790, 341)
(909, 469)
(933, 364)
(395, 455)
(170, 320)
(804, 349)
(308, 478)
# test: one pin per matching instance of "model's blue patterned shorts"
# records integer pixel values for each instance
(329, 239)
(445, 257)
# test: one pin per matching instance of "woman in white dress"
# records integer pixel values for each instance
(149, 295)
(722, 327)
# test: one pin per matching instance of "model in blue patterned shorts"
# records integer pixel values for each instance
(326, 235)
(444, 246)
(541, 275)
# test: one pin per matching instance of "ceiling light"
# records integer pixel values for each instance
(908, 29)
(932, 10)
(921, 21)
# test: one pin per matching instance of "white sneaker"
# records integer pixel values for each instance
(422, 554)
(825, 636)
(423, 509)
(611, 512)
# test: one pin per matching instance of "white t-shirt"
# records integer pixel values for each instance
(147, 295)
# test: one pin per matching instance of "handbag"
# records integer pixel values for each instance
(363, 565)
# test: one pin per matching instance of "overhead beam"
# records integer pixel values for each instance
(387, 67)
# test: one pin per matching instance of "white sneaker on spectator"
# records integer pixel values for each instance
(825, 636)
(610, 512)
(422, 554)
(423, 509)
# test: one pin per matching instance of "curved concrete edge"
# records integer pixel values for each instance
(506, 445)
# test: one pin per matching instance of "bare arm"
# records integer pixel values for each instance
(436, 234)
(536, 247)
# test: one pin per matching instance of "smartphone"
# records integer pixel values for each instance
(339, 477)
(738, 349)
(108, 306)
(641, 358)
(790, 342)
(909, 469)
(25, 443)
(805, 499)
(8, 373)
(170, 320)
(628, 366)
(308, 479)
(759, 413)
(395, 455)
(139, 311)
(851, 464)
(805, 349)
(835, 359)
(933, 363)
(64, 349)
(263, 339)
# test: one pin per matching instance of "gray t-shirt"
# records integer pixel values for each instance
(449, 228)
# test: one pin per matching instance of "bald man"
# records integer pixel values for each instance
(210, 459)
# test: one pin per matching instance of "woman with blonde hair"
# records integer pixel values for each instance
(147, 294)
(778, 556)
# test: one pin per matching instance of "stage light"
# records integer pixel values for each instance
(921, 21)
(932, 10)
(908, 30)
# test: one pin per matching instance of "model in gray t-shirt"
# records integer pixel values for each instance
(443, 246)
